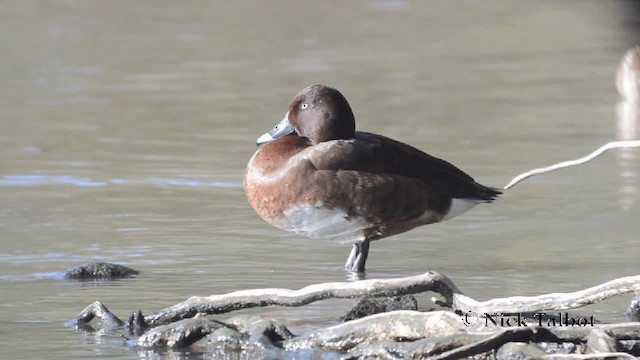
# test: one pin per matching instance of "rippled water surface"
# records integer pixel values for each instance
(126, 127)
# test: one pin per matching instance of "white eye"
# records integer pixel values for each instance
(304, 106)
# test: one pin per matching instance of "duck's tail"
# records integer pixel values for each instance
(488, 194)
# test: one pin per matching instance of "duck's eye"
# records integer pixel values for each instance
(304, 106)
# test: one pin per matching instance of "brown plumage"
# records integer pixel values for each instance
(315, 175)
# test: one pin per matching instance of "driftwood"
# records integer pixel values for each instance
(403, 334)
(218, 304)
(410, 334)
(430, 281)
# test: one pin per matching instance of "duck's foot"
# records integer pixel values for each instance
(357, 257)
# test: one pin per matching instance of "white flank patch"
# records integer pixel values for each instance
(320, 223)
(458, 206)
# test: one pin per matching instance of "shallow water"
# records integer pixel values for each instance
(126, 128)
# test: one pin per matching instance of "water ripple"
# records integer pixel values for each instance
(38, 180)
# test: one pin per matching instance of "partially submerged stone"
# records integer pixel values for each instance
(99, 271)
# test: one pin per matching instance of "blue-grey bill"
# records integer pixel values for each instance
(282, 129)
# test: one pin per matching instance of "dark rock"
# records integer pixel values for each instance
(371, 306)
(98, 270)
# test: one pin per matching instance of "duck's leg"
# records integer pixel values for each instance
(358, 257)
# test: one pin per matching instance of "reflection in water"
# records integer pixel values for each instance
(628, 124)
(628, 75)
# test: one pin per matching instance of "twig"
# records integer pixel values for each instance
(582, 160)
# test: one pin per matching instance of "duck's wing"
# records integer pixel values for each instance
(379, 155)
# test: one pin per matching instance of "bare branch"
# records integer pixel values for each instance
(582, 160)
(555, 301)
(217, 304)
(430, 281)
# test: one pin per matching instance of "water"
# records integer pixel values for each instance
(126, 127)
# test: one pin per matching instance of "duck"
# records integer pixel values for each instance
(314, 175)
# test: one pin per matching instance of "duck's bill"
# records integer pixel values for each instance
(283, 128)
